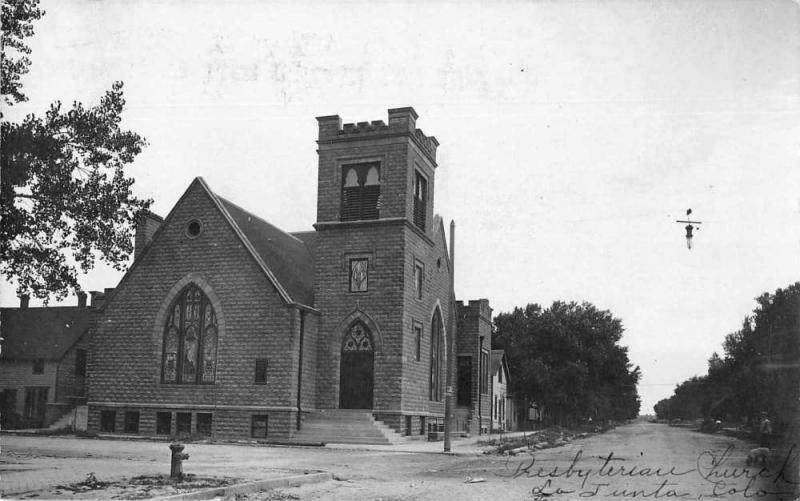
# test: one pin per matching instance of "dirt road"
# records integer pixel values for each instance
(640, 460)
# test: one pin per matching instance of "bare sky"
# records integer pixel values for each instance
(572, 133)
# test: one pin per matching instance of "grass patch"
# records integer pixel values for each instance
(141, 487)
(554, 436)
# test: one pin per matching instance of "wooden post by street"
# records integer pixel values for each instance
(451, 346)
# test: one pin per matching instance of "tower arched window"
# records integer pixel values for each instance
(190, 339)
(361, 191)
(436, 357)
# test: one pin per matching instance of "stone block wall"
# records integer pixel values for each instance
(475, 337)
(254, 322)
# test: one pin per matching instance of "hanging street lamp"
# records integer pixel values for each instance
(689, 227)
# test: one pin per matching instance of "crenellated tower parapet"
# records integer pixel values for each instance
(402, 122)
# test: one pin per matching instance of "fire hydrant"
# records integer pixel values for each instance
(178, 457)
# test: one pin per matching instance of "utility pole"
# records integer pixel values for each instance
(451, 345)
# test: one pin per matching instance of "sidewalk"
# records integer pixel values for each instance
(460, 446)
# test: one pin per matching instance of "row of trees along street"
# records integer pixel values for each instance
(567, 358)
(758, 371)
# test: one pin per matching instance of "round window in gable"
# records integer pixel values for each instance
(194, 228)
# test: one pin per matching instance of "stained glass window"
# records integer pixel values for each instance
(190, 340)
(357, 339)
(359, 274)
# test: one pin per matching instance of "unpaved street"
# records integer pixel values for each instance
(640, 460)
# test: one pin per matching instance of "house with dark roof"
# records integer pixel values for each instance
(503, 410)
(228, 327)
(42, 362)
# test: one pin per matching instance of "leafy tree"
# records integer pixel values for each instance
(64, 196)
(567, 358)
(758, 371)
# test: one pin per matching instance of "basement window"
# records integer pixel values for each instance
(258, 426)
(163, 423)
(131, 421)
(204, 424)
(108, 421)
(184, 424)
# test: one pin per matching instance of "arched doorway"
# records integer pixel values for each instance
(357, 369)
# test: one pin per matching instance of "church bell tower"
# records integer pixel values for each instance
(375, 238)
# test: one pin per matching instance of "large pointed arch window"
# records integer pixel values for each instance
(190, 340)
(436, 357)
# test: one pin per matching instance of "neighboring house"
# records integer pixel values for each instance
(473, 410)
(501, 403)
(42, 363)
(228, 327)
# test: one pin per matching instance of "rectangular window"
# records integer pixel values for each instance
(163, 423)
(464, 380)
(408, 426)
(484, 372)
(108, 421)
(38, 366)
(35, 403)
(361, 191)
(184, 424)
(422, 425)
(204, 424)
(261, 371)
(419, 278)
(417, 342)
(359, 274)
(420, 198)
(80, 363)
(258, 428)
(131, 421)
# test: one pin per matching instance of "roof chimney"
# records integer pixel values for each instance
(98, 299)
(24, 301)
(81, 299)
(146, 227)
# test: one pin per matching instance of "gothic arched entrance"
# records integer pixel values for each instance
(357, 369)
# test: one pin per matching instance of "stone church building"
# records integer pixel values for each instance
(228, 327)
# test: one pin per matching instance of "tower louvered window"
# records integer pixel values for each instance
(361, 191)
(420, 198)
(190, 340)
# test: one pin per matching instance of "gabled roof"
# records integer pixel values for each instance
(47, 333)
(497, 362)
(287, 260)
(288, 257)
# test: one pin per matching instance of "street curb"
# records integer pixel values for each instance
(258, 485)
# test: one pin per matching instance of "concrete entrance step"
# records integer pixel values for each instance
(345, 426)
